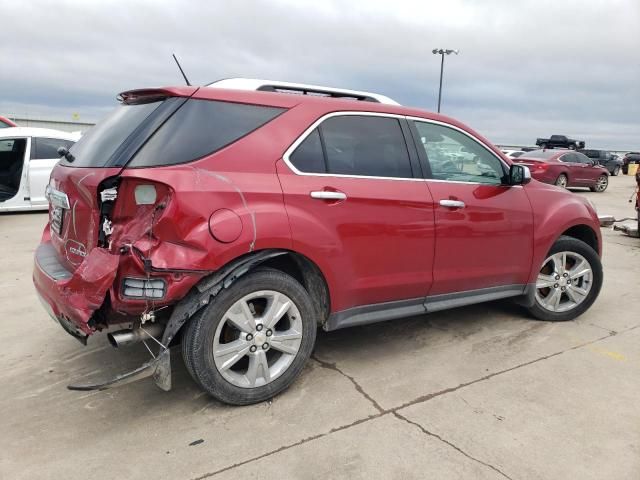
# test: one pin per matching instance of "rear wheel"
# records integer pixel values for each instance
(562, 181)
(601, 184)
(569, 281)
(253, 340)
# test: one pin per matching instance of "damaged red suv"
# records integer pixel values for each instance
(236, 222)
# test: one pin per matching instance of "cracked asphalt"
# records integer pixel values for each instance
(477, 392)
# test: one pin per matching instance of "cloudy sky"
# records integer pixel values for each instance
(526, 68)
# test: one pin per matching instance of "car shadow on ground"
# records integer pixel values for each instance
(400, 336)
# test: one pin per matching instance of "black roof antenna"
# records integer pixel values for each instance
(181, 71)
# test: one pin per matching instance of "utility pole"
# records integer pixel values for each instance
(442, 52)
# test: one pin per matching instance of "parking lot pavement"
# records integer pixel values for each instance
(477, 392)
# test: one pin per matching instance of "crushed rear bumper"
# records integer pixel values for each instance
(71, 298)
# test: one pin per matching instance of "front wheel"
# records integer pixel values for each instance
(569, 281)
(251, 342)
(601, 184)
(616, 171)
(572, 147)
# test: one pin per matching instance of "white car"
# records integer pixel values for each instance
(27, 156)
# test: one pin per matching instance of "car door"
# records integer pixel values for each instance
(484, 228)
(14, 153)
(358, 207)
(575, 168)
(591, 169)
(44, 156)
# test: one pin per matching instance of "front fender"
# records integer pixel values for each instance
(554, 212)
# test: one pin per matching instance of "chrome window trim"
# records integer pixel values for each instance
(314, 125)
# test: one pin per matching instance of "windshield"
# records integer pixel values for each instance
(97, 146)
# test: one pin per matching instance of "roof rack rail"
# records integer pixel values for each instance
(299, 89)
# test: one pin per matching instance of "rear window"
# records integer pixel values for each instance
(95, 147)
(199, 128)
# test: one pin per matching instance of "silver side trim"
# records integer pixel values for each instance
(379, 312)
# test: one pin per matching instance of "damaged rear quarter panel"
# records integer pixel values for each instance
(181, 238)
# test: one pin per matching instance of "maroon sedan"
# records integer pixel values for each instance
(565, 168)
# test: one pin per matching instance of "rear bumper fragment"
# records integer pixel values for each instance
(72, 297)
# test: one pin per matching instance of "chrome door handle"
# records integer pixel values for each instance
(328, 195)
(452, 203)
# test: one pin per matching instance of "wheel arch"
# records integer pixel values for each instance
(292, 263)
(584, 233)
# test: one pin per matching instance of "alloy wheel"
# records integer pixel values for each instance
(602, 183)
(564, 282)
(257, 339)
(562, 181)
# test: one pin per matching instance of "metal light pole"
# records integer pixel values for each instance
(442, 52)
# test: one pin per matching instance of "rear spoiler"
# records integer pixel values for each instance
(148, 95)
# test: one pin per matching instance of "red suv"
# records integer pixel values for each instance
(236, 222)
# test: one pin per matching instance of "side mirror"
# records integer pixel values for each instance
(519, 175)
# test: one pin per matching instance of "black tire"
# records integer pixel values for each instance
(188, 332)
(616, 171)
(543, 146)
(198, 339)
(570, 244)
(559, 182)
(572, 147)
(595, 189)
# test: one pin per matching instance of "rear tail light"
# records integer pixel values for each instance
(153, 288)
(145, 194)
(541, 167)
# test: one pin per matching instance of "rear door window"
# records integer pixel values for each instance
(47, 148)
(369, 146)
(309, 156)
(355, 145)
(199, 128)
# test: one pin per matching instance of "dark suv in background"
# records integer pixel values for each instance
(605, 158)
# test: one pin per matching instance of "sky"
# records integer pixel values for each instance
(526, 68)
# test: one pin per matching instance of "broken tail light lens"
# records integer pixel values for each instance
(145, 194)
(151, 288)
